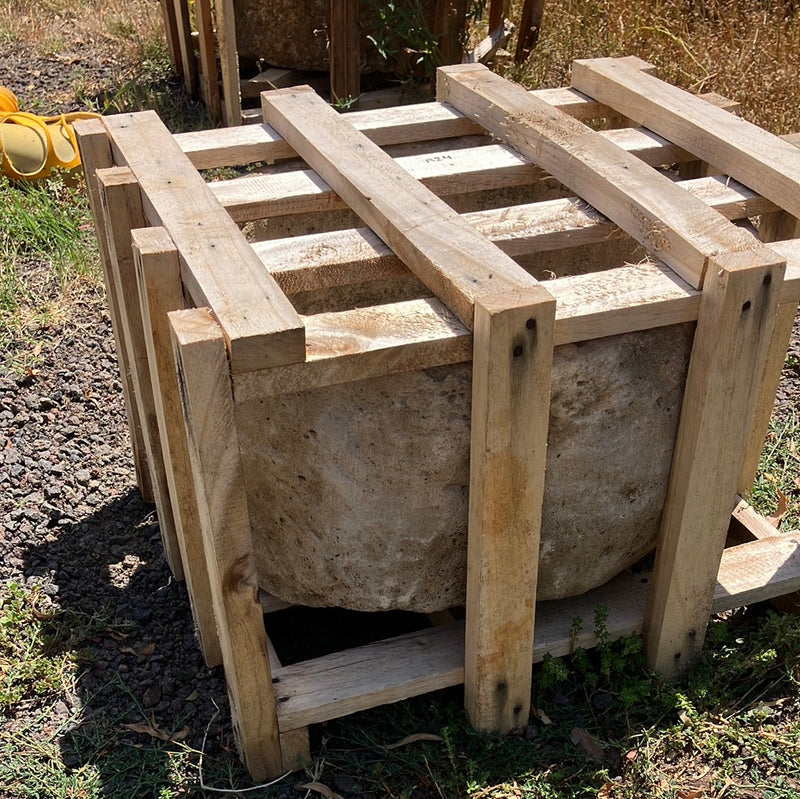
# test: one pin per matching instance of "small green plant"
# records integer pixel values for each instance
(776, 491)
(29, 638)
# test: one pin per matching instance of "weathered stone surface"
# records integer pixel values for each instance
(358, 492)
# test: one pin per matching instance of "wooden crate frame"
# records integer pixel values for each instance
(172, 250)
(204, 53)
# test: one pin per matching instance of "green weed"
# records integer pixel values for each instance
(776, 489)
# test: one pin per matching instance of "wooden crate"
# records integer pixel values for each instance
(203, 51)
(206, 321)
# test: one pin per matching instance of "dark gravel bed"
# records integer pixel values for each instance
(72, 521)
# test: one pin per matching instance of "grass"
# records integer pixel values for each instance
(602, 725)
(746, 50)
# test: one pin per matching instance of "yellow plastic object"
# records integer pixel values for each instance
(32, 145)
(8, 100)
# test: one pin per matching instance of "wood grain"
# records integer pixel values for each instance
(218, 267)
(204, 377)
(160, 292)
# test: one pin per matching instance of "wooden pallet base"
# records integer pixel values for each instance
(416, 663)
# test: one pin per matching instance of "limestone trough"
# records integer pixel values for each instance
(473, 353)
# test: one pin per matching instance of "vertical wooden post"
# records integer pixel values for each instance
(451, 19)
(160, 291)
(529, 25)
(209, 84)
(172, 35)
(512, 362)
(497, 13)
(734, 329)
(774, 227)
(345, 50)
(95, 152)
(188, 61)
(122, 207)
(229, 62)
(208, 411)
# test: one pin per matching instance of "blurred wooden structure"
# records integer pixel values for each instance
(205, 55)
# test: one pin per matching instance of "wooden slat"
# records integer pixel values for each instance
(202, 362)
(384, 126)
(228, 62)
(748, 153)
(416, 663)
(120, 191)
(345, 51)
(342, 257)
(208, 78)
(529, 24)
(303, 191)
(188, 61)
(160, 292)
(267, 194)
(733, 333)
(448, 29)
(218, 267)
(369, 342)
(418, 334)
(757, 571)
(772, 227)
(376, 674)
(678, 229)
(95, 152)
(434, 242)
(484, 51)
(511, 371)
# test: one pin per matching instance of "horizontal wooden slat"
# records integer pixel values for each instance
(409, 665)
(341, 257)
(758, 570)
(218, 267)
(447, 172)
(367, 342)
(678, 229)
(750, 154)
(418, 334)
(207, 149)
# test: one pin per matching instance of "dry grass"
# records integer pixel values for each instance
(748, 50)
(48, 27)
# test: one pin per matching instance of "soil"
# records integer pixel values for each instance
(72, 519)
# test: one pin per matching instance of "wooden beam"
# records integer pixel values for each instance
(761, 160)
(449, 23)
(680, 230)
(511, 370)
(188, 61)
(202, 362)
(228, 62)
(370, 342)
(120, 191)
(773, 227)
(160, 292)
(733, 333)
(484, 51)
(95, 152)
(218, 268)
(208, 78)
(529, 24)
(384, 126)
(345, 51)
(434, 242)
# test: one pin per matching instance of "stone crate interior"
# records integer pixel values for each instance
(435, 357)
